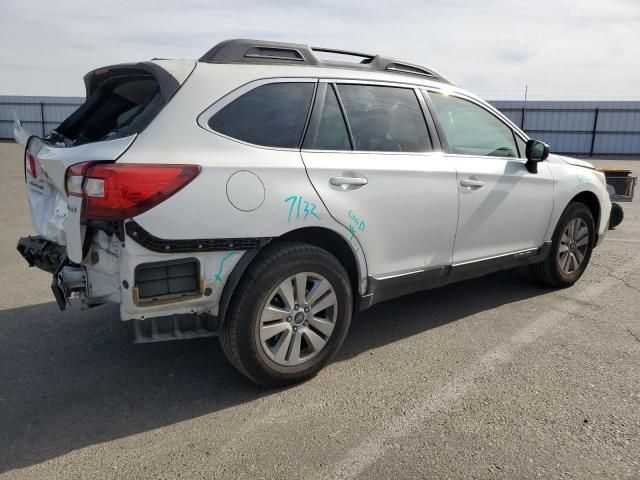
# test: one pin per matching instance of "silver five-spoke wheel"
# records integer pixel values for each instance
(574, 243)
(298, 319)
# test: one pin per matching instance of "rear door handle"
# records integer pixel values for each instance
(472, 182)
(348, 181)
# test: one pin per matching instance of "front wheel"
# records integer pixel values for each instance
(571, 248)
(289, 316)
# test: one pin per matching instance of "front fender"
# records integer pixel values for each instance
(572, 181)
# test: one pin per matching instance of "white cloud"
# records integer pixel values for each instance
(562, 49)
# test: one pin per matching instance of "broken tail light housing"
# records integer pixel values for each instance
(113, 191)
(75, 178)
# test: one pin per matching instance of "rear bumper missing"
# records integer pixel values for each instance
(42, 253)
(145, 284)
(68, 278)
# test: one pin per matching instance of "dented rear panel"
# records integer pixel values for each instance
(122, 100)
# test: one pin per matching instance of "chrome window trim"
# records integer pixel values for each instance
(368, 152)
(373, 82)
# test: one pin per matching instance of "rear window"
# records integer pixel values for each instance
(272, 115)
(122, 104)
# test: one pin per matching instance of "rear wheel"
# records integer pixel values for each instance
(289, 316)
(571, 248)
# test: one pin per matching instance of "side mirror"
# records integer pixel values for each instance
(536, 151)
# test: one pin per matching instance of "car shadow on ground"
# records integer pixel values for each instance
(69, 380)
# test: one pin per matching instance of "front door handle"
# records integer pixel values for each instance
(472, 182)
(348, 181)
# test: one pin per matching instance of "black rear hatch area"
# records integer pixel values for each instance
(121, 100)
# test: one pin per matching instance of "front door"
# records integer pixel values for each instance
(503, 207)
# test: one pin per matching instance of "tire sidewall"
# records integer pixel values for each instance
(254, 360)
(576, 210)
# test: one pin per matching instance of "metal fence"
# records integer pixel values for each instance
(573, 128)
(604, 128)
(39, 115)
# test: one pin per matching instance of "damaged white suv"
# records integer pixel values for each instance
(264, 195)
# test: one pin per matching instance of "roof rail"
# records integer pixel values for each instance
(265, 52)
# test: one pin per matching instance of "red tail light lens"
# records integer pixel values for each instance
(31, 165)
(115, 191)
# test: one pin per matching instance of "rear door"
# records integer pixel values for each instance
(371, 159)
(504, 208)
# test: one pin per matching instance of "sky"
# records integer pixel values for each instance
(558, 49)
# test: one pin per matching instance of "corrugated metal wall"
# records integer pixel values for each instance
(580, 128)
(575, 128)
(38, 114)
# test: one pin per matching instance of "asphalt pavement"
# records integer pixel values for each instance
(490, 378)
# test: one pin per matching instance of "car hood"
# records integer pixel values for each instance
(576, 162)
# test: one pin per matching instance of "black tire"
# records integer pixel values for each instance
(548, 271)
(239, 333)
(617, 215)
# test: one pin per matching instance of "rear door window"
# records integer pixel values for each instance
(272, 115)
(385, 119)
(332, 133)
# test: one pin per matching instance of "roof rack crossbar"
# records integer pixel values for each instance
(264, 52)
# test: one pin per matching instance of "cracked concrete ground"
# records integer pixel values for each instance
(490, 378)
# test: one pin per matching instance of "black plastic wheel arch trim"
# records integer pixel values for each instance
(162, 245)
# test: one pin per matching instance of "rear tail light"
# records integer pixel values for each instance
(31, 165)
(75, 178)
(113, 191)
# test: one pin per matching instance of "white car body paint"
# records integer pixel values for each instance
(393, 228)
(55, 215)
(412, 215)
(510, 196)
(572, 178)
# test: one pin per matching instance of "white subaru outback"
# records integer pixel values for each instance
(264, 194)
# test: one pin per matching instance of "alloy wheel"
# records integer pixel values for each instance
(573, 247)
(298, 319)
